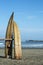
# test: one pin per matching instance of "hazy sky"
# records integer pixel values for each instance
(28, 15)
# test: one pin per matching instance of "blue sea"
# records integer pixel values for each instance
(27, 45)
(32, 45)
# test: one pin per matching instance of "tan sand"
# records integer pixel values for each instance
(30, 57)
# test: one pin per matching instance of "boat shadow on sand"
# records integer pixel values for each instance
(2, 56)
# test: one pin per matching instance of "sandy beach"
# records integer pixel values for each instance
(29, 57)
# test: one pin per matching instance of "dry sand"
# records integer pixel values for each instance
(29, 57)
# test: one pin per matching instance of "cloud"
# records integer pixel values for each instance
(41, 11)
(31, 30)
(2, 30)
(31, 17)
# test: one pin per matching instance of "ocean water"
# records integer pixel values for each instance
(27, 45)
(32, 45)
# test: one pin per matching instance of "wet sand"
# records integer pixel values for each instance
(29, 57)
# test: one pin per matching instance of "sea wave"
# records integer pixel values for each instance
(27, 45)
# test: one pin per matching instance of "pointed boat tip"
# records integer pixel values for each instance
(12, 14)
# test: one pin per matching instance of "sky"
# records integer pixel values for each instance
(28, 15)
